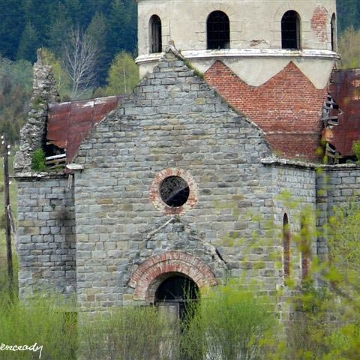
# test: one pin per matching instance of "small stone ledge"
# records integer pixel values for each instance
(26, 175)
(304, 164)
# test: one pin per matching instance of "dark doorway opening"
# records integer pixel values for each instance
(177, 292)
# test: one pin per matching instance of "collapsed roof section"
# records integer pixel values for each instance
(69, 123)
(345, 92)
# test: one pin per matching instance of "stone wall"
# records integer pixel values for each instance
(32, 135)
(294, 189)
(46, 235)
(172, 123)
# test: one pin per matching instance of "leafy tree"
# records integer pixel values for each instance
(123, 75)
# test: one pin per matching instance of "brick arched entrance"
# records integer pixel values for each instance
(150, 274)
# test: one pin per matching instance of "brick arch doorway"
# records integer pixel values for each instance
(175, 295)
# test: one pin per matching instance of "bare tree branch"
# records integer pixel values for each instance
(80, 60)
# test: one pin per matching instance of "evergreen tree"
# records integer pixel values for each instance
(59, 26)
(29, 42)
(98, 31)
(348, 12)
(11, 27)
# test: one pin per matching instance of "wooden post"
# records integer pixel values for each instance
(7, 215)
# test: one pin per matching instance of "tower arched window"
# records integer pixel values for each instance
(155, 34)
(305, 248)
(286, 246)
(218, 31)
(290, 30)
(333, 32)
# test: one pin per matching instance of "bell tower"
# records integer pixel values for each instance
(281, 47)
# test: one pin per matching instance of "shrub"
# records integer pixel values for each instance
(356, 150)
(38, 160)
(229, 324)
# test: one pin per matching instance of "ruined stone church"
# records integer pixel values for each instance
(181, 182)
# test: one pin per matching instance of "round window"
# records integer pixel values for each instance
(174, 191)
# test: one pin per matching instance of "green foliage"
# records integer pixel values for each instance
(62, 79)
(123, 75)
(38, 160)
(229, 324)
(326, 324)
(356, 150)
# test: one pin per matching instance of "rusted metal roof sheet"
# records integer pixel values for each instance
(345, 90)
(70, 123)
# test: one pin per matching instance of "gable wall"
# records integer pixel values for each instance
(173, 121)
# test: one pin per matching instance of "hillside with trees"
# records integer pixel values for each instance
(27, 25)
(91, 46)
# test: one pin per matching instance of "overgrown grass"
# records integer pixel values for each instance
(130, 333)
(41, 328)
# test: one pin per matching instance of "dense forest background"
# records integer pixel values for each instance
(27, 25)
(103, 34)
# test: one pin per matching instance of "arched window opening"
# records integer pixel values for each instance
(286, 246)
(305, 248)
(155, 34)
(177, 292)
(290, 30)
(218, 31)
(333, 33)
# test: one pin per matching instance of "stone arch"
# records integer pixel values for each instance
(290, 5)
(148, 276)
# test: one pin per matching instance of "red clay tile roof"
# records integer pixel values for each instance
(345, 90)
(70, 123)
